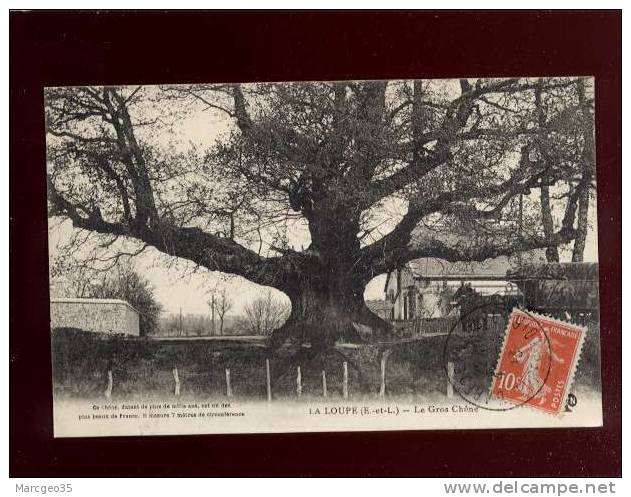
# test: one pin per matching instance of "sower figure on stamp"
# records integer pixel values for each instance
(532, 354)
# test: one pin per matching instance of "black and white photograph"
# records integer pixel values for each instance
(323, 256)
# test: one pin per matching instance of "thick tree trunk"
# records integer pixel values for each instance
(581, 227)
(552, 253)
(327, 294)
(327, 308)
(588, 160)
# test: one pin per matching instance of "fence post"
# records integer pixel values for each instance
(176, 377)
(324, 383)
(450, 380)
(384, 362)
(110, 384)
(228, 387)
(345, 381)
(298, 382)
(268, 381)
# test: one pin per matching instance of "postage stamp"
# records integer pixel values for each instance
(537, 361)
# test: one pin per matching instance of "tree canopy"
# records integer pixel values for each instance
(377, 173)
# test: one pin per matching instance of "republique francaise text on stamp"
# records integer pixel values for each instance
(537, 362)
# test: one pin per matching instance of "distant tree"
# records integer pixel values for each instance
(567, 150)
(221, 304)
(265, 314)
(169, 325)
(120, 282)
(195, 324)
(76, 281)
(127, 284)
(588, 168)
(186, 325)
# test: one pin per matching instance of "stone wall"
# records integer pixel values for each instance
(95, 315)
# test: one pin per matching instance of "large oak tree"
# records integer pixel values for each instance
(380, 173)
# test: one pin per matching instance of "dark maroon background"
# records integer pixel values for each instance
(62, 48)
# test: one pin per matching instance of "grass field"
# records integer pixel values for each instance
(144, 367)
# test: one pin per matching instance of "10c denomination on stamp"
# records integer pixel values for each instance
(537, 361)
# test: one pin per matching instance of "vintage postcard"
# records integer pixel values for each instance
(323, 256)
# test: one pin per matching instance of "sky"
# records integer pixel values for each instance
(178, 288)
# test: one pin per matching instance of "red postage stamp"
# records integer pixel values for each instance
(537, 361)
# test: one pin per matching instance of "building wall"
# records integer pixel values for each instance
(413, 298)
(397, 289)
(99, 316)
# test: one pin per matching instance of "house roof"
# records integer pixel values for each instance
(498, 267)
(571, 271)
(430, 267)
(379, 305)
(569, 285)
